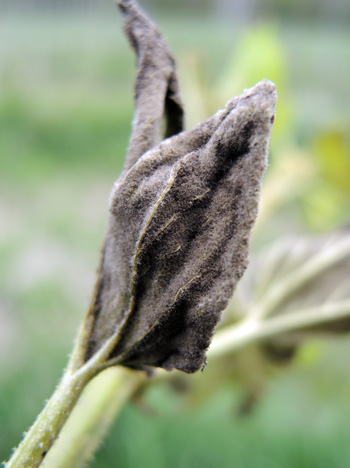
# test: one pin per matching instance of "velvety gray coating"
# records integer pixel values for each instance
(178, 233)
(156, 89)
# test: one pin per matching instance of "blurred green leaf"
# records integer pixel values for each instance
(332, 155)
(257, 54)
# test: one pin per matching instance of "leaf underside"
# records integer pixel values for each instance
(181, 216)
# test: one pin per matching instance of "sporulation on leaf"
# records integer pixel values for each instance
(180, 216)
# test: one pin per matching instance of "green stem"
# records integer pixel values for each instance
(47, 427)
(253, 330)
(92, 417)
(107, 393)
(303, 275)
(50, 421)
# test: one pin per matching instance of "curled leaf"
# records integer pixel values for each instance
(156, 89)
(181, 215)
(178, 235)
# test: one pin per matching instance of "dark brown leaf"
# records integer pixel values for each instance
(181, 215)
(156, 89)
(178, 235)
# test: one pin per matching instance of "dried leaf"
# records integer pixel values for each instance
(177, 241)
(181, 215)
(156, 89)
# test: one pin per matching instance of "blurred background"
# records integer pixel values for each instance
(66, 105)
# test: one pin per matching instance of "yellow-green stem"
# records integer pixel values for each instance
(50, 421)
(92, 417)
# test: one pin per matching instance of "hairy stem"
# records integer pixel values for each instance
(106, 395)
(92, 417)
(33, 449)
(45, 430)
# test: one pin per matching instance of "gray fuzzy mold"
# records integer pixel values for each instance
(180, 216)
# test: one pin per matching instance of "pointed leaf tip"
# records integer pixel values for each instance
(178, 236)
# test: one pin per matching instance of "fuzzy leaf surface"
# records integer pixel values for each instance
(178, 235)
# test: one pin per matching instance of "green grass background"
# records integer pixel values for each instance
(66, 86)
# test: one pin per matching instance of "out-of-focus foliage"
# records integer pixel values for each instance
(335, 10)
(328, 201)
